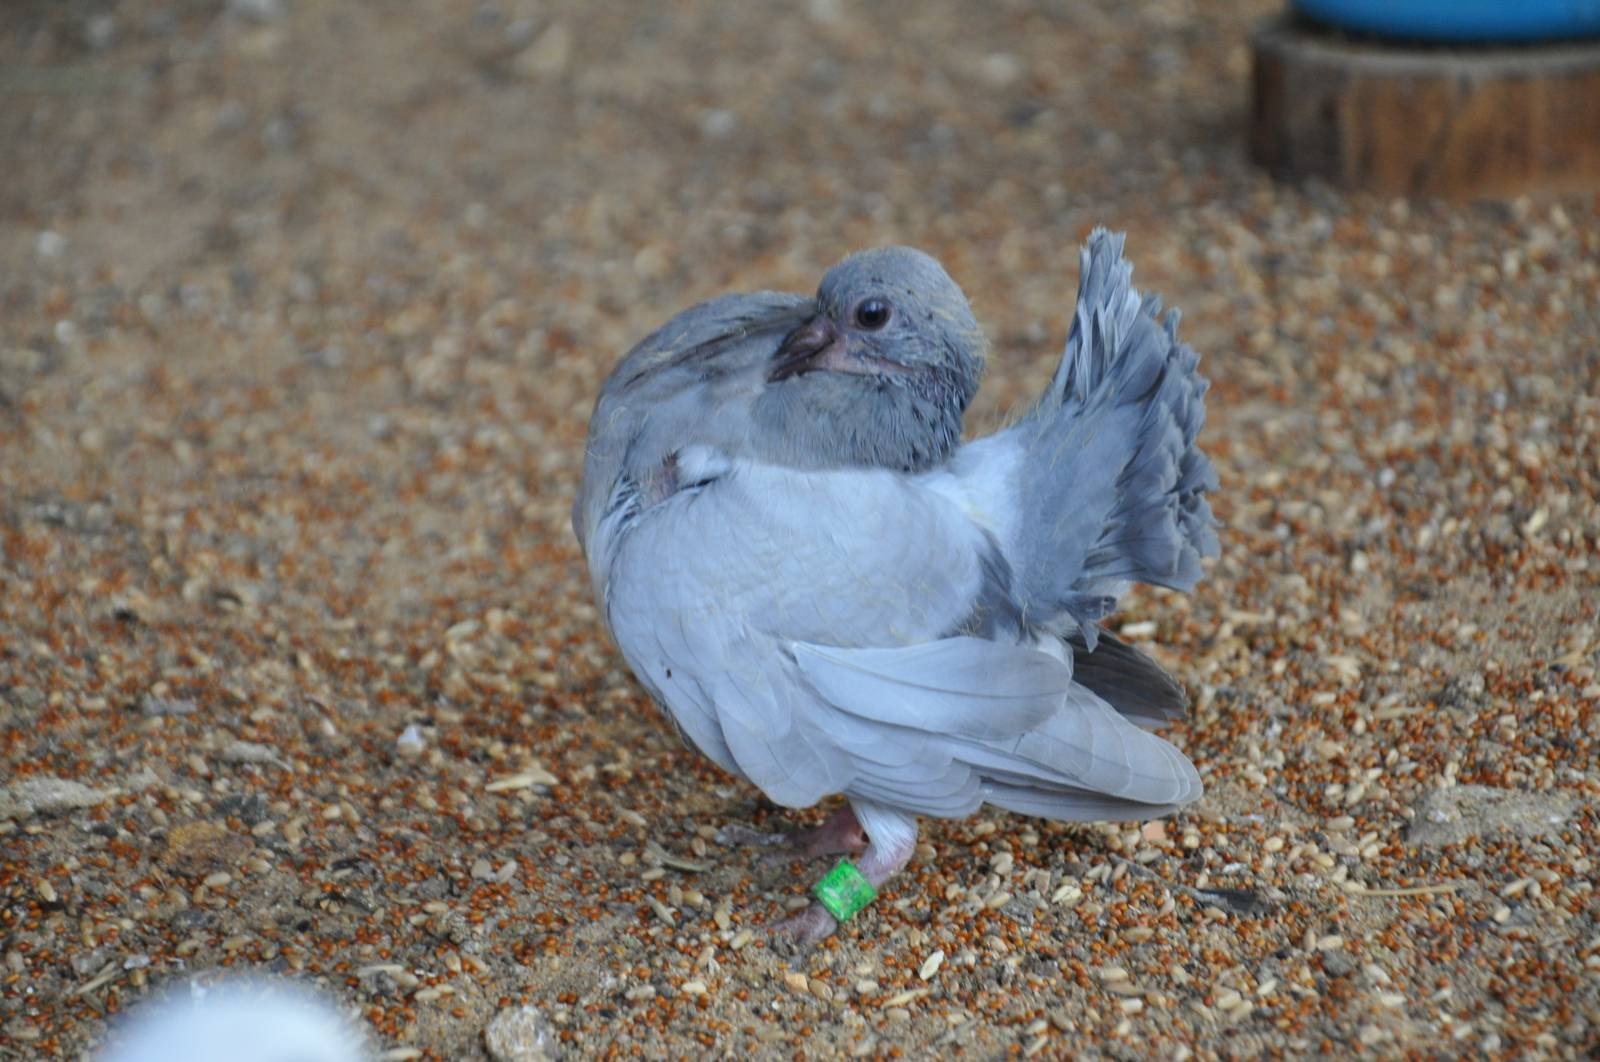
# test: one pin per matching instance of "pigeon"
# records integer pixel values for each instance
(830, 593)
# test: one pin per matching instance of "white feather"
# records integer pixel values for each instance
(245, 1021)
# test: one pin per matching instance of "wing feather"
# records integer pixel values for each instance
(964, 686)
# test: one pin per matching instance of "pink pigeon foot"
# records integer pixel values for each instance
(840, 835)
(892, 838)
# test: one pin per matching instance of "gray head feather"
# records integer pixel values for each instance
(904, 360)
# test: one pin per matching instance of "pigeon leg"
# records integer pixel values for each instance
(892, 838)
(840, 835)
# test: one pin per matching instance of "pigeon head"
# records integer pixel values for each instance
(892, 313)
(882, 370)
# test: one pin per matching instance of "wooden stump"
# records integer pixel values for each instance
(1417, 120)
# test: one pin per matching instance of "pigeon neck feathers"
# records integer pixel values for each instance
(834, 421)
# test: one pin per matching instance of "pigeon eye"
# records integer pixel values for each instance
(872, 314)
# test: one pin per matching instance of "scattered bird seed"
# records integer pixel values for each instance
(524, 779)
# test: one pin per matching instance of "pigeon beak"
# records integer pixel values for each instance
(816, 344)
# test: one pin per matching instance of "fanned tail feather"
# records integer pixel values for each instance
(1115, 485)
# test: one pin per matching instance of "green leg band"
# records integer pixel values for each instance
(844, 891)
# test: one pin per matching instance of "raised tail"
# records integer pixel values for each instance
(1107, 482)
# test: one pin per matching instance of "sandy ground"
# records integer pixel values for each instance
(303, 305)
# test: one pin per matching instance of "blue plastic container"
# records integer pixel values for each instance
(1460, 21)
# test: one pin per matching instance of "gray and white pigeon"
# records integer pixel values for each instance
(831, 593)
